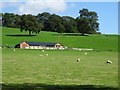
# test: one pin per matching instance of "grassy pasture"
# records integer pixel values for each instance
(11, 36)
(59, 69)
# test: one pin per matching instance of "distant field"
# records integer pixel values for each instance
(27, 68)
(11, 36)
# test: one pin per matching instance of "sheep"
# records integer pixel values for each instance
(80, 49)
(78, 60)
(14, 50)
(46, 54)
(85, 53)
(42, 50)
(109, 62)
(41, 55)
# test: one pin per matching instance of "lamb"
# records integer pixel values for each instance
(109, 62)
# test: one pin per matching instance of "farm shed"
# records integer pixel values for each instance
(39, 45)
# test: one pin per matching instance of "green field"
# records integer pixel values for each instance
(59, 70)
(101, 42)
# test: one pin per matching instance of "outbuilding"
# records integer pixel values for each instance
(39, 45)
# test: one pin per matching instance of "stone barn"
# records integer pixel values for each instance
(39, 45)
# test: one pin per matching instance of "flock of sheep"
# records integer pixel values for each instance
(78, 60)
(108, 61)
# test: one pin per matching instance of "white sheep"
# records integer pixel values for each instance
(85, 53)
(42, 50)
(78, 60)
(46, 54)
(41, 55)
(108, 61)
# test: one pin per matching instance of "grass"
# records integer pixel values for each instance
(28, 70)
(60, 68)
(100, 42)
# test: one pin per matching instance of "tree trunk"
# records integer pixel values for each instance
(82, 34)
(29, 32)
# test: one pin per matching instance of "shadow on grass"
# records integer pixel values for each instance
(27, 86)
(74, 34)
(20, 35)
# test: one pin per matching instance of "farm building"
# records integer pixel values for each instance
(39, 45)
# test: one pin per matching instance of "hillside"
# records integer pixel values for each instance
(12, 36)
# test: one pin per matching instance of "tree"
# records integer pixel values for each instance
(83, 26)
(10, 20)
(17, 20)
(43, 18)
(88, 22)
(60, 28)
(69, 24)
(29, 23)
(51, 24)
(57, 20)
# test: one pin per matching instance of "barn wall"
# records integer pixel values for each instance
(24, 45)
(27, 46)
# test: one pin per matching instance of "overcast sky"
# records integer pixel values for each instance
(107, 10)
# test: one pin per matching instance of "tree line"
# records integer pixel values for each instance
(86, 23)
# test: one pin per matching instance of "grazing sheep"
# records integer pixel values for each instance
(80, 49)
(85, 53)
(78, 60)
(41, 55)
(46, 54)
(109, 62)
(42, 50)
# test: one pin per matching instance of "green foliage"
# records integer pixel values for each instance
(60, 28)
(70, 24)
(87, 23)
(53, 22)
(30, 23)
(10, 20)
(42, 17)
(83, 25)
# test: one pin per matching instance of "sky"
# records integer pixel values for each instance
(107, 10)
